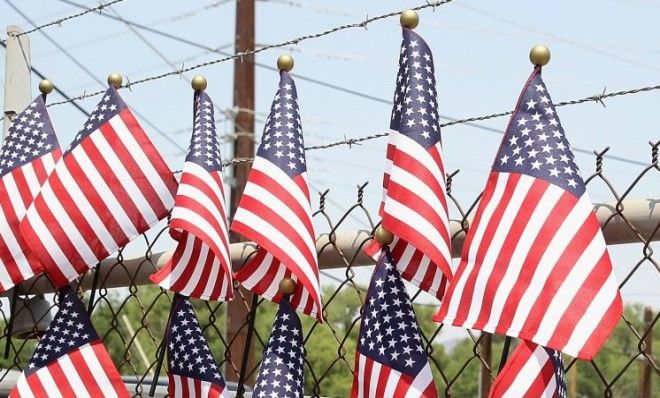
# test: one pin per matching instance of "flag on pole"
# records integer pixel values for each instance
(109, 186)
(532, 371)
(70, 360)
(414, 206)
(192, 370)
(275, 212)
(281, 371)
(200, 266)
(534, 263)
(28, 155)
(390, 361)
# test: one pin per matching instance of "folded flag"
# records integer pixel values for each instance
(275, 211)
(192, 371)
(390, 361)
(109, 186)
(535, 264)
(532, 371)
(281, 370)
(70, 360)
(29, 153)
(200, 266)
(414, 206)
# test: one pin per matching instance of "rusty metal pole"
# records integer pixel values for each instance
(486, 351)
(243, 147)
(646, 370)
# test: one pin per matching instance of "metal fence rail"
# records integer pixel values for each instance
(130, 315)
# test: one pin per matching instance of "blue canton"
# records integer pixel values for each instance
(188, 354)
(415, 110)
(109, 106)
(389, 333)
(204, 149)
(31, 136)
(70, 330)
(281, 371)
(558, 366)
(282, 142)
(535, 143)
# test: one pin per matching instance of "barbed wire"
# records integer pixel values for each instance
(59, 21)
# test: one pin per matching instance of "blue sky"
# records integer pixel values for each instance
(481, 58)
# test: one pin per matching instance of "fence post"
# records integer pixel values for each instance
(645, 368)
(17, 75)
(485, 351)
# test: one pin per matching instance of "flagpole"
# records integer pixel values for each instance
(162, 347)
(240, 390)
(505, 353)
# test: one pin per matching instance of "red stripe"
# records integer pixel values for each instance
(197, 208)
(410, 164)
(366, 381)
(204, 279)
(541, 381)
(109, 369)
(184, 278)
(22, 186)
(602, 331)
(302, 184)
(403, 385)
(203, 186)
(66, 389)
(383, 376)
(86, 374)
(511, 370)
(37, 389)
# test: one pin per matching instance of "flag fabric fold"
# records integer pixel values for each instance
(192, 370)
(201, 265)
(414, 206)
(390, 361)
(109, 186)
(281, 370)
(535, 264)
(70, 360)
(29, 153)
(275, 212)
(532, 371)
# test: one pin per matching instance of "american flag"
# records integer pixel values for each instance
(275, 212)
(108, 187)
(28, 155)
(70, 360)
(531, 371)
(414, 206)
(391, 360)
(201, 265)
(192, 370)
(534, 263)
(281, 372)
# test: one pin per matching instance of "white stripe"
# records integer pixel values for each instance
(212, 278)
(179, 267)
(284, 180)
(178, 386)
(198, 171)
(14, 195)
(524, 379)
(420, 382)
(71, 374)
(564, 235)
(570, 286)
(146, 168)
(260, 271)
(23, 388)
(198, 267)
(48, 382)
(536, 221)
(550, 388)
(374, 380)
(48, 161)
(97, 371)
(31, 178)
(417, 152)
(191, 387)
(12, 244)
(198, 196)
(392, 383)
(500, 236)
(362, 364)
(103, 190)
(456, 300)
(199, 221)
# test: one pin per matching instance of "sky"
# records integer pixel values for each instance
(481, 58)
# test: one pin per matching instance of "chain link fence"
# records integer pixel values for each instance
(130, 315)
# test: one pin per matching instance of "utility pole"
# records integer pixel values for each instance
(485, 351)
(645, 368)
(243, 148)
(17, 75)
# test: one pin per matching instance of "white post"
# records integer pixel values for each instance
(17, 75)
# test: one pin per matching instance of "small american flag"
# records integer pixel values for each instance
(192, 370)
(70, 360)
(275, 212)
(281, 372)
(414, 206)
(109, 186)
(534, 263)
(531, 371)
(391, 360)
(28, 155)
(200, 266)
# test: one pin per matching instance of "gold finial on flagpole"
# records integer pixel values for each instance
(539, 55)
(199, 83)
(46, 86)
(287, 286)
(409, 19)
(115, 80)
(285, 63)
(383, 236)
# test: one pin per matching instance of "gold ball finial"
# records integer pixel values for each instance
(46, 86)
(539, 55)
(285, 62)
(115, 80)
(409, 19)
(383, 236)
(287, 286)
(198, 83)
